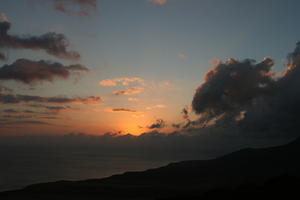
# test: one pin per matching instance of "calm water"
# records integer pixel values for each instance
(24, 166)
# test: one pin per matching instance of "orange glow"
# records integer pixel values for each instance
(133, 125)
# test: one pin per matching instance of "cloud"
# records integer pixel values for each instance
(185, 112)
(160, 123)
(75, 7)
(17, 98)
(10, 111)
(233, 84)
(52, 109)
(130, 91)
(2, 56)
(52, 43)
(160, 2)
(28, 71)
(124, 81)
(4, 89)
(17, 117)
(120, 110)
(24, 122)
(182, 56)
(247, 97)
(3, 18)
(133, 99)
(156, 106)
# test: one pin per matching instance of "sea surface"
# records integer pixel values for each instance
(22, 166)
(26, 162)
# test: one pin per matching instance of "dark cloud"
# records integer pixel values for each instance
(247, 96)
(231, 85)
(176, 125)
(17, 98)
(53, 109)
(24, 122)
(14, 111)
(29, 72)
(122, 110)
(52, 43)
(10, 111)
(294, 57)
(50, 117)
(160, 123)
(17, 116)
(74, 7)
(2, 56)
(29, 111)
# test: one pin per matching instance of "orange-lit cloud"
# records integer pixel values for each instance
(129, 91)
(132, 99)
(123, 81)
(156, 106)
(160, 2)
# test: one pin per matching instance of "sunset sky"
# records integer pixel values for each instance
(127, 66)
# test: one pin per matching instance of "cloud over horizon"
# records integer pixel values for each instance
(158, 124)
(247, 96)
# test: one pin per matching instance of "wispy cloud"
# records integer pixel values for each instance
(75, 7)
(124, 81)
(53, 109)
(156, 106)
(120, 110)
(132, 99)
(160, 2)
(24, 122)
(17, 98)
(130, 91)
(182, 56)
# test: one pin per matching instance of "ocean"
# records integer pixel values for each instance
(30, 160)
(22, 166)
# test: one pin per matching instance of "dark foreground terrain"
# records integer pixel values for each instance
(245, 174)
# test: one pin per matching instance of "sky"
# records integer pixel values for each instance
(137, 66)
